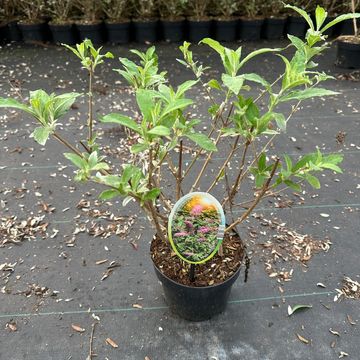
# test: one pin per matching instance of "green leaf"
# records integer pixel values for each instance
(259, 180)
(136, 148)
(262, 162)
(93, 159)
(234, 83)
(144, 99)
(76, 160)
(339, 19)
(293, 309)
(108, 194)
(121, 120)
(256, 78)
(257, 52)
(292, 185)
(41, 134)
(12, 103)
(280, 121)
(152, 194)
(160, 130)
(213, 83)
(214, 45)
(176, 105)
(332, 167)
(203, 141)
(63, 102)
(307, 93)
(320, 16)
(303, 13)
(288, 162)
(185, 86)
(313, 181)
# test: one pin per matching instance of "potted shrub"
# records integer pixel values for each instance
(89, 25)
(199, 22)
(165, 127)
(32, 26)
(145, 22)
(275, 20)
(9, 30)
(172, 19)
(348, 46)
(251, 21)
(226, 25)
(117, 21)
(61, 25)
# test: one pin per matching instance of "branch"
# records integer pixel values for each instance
(257, 200)
(179, 174)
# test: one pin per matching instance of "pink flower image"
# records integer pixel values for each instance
(179, 234)
(204, 230)
(196, 210)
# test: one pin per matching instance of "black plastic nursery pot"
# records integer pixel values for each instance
(145, 31)
(33, 32)
(94, 32)
(347, 27)
(226, 29)
(196, 303)
(273, 28)
(348, 55)
(250, 29)
(118, 33)
(296, 26)
(197, 30)
(173, 31)
(3, 33)
(63, 33)
(13, 32)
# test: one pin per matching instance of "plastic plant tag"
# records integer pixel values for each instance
(196, 227)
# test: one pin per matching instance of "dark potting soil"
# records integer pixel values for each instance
(214, 271)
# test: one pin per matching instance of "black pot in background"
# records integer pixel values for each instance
(348, 55)
(94, 32)
(226, 29)
(34, 32)
(196, 303)
(63, 34)
(347, 27)
(199, 30)
(273, 28)
(3, 33)
(250, 29)
(296, 26)
(145, 31)
(332, 32)
(173, 31)
(13, 32)
(118, 33)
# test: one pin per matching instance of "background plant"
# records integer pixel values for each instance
(172, 9)
(7, 10)
(145, 9)
(272, 8)
(60, 11)
(236, 120)
(116, 10)
(250, 8)
(90, 10)
(198, 8)
(226, 8)
(32, 11)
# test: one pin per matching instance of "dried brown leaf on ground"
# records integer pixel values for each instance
(78, 328)
(112, 343)
(11, 325)
(350, 290)
(15, 231)
(284, 246)
(302, 339)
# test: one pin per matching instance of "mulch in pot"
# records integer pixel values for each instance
(215, 271)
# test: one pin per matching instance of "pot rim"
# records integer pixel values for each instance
(235, 274)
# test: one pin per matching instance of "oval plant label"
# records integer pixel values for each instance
(196, 227)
